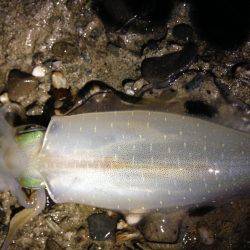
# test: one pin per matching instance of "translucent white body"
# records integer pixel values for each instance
(139, 160)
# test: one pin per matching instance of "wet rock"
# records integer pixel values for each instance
(159, 227)
(4, 98)
(59, 81)
(39, 71)
(65, 51)
(101, 226)
(183, 32)
(139, 16)
(161, 71)
(128, 87)
(22, 87)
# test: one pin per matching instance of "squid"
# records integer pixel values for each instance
(133, 162)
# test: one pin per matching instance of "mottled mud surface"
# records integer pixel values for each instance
(88, 56)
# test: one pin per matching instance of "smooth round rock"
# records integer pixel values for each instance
(161, 71)
(22, 87)
(101, 226)
(139, 16)
(39, 71)
(58, 80)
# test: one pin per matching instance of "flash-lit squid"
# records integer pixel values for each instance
(128, 161)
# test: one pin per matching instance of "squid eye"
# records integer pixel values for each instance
(29, 138)
(30, 182)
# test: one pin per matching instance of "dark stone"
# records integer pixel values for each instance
(101, 226)
(161, 71)
(161, 228)
(22, 87)
(140, 16)
(65, 51)
(183, 32)
(200, 108)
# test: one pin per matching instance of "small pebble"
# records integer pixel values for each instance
(101, 226)
(56, 64)
(58, 80)
(39, 71)
(4, 98)
(139, 84)
(128, 88)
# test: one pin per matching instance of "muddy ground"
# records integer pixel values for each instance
(76, 56)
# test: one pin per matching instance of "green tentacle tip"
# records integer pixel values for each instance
(29, 138)
(30, 182)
